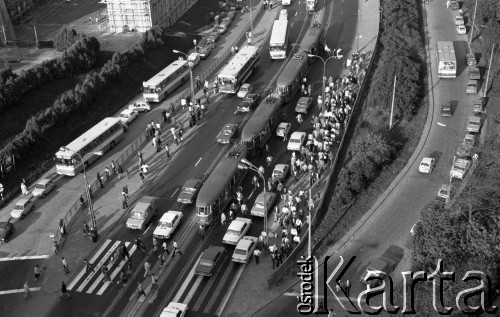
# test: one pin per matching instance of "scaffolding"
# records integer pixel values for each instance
(129, 15)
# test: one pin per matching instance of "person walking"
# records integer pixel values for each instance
(105, 272)
(161, 257)
(88, 267)
(154, 281)
(347, 288)
(244, 209)
(125, 252)
(27, 293)
(123, 198)
(168, 150)
(123, 277)
(256, 254)
(223, 218)
(85, 229)
(36, 271)
(140, 290)
(176, 248)
(147, 269)
(181, 130)
(65, 265)
(24, 188)
(64, 291)
(165, 247)
(299, 119)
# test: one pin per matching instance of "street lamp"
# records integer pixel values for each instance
(87, 189)
(324, 71)
(251, 17)
(190, 73)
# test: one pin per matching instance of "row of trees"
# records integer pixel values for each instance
(82, 56)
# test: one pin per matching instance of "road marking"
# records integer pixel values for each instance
(181, 290)
(116, 271)
(219, 288)
(104, 246)
(201, 297)
(174, 193)
(198, 161)
(150, 225)
(101, 276)
(194, 289)
(230, 290)
(20, 258)
(21, 290)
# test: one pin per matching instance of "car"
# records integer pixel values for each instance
(296, 141)
(474, 73)
(127, 116)
(459, 20)
(227, 133)
(444, 192)
(245, 89)
(6, 230)
(454, 5)
(283, 15)
(43, 187)
(204, 51)
(222, 28)
(474, 124)
(472, 86)
(167, 224)
(189, 191)
(471, 59)
(286, 2)
(140, 106)
(465, 149)
(258, 206)
(244, 249)
(461, 29)
(193, 59)
(209, 259)
(426, 165)
(142, 213)
(250, 102)
(214, 34)
(304, 104)
(174, 310)
(236, 230)
(446, 110)
(23, 206)
(478, 105)
(230, 15)
(283, 129)
(460, 168)
(280, 171)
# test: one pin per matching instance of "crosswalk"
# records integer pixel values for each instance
(94, 282)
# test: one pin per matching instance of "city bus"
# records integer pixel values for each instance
(290, 78)
(217, 191)
(101, 137)
(312, 41)
(166, 81)
(239, 68)
(447, 60)
(261, 124)
(279, 40)
(311, 6)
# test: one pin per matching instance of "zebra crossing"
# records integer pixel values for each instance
(94, 282)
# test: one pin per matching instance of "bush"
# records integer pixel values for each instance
(66, 39)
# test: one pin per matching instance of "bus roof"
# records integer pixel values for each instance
(278, 35)
(291, 70)
(220, 176)
(446, 52)
(170, 69)
(84, 139)
(312, 37)
(238, 61)
(260, 118)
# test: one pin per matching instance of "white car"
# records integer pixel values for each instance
(444, 192)
(258, 209)
(286, 2)
(128, 115)
(461, 30)
(174, 310)
(283, 129)
(167, 225)
(280, 171)
(22, 207)
(236, 230)
(296, 141)
(426, 165)
(193, 59)
(244, 90)
(140, 106)
(459, 20)
(244, 249)
(43, 187)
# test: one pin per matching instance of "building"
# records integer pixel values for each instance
(141, 15)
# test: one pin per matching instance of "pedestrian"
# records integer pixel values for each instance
(139, 244)
(273, 260)
(269, 160)
(123, 198)
(244, 209)
(24, 188)
(64, 291)
(347, 288)
(120, 172)
(88, 267)
(140, 290)
(176, 248)
(161, 257)
(36, 270)
(85, 229)
(299, 119)
(154, 282)
(201, 230)
(176, 141)
(105, 272)
(125, 252)
(27, 293)
(141, 176)
(155, 244)
(309, 89)
(231, 214)
(99, 180)
(181, 131)
(123, 277)
(256, 253)
(147, 269)
(82, 201)
(144, 169)
(255, 182)
(65, 265)
(165, 247)
(236, 49)
(223, 218)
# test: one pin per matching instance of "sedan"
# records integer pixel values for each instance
(283, 129)
(174, 310)
(445, 110)
(296, 141)
(189, 191)
(140, 106)
(167, 225)
(444, 192)
(245, 89)
(304, 104)
(258, 206)
(43, 187)
(459, 20)
(244, 249)
(127, 116)
(461, 30)
(250, 102)
(222, 28)
(472, 86)
(208, 260)
(280, 171)
(227, 133)
(236, 230)
(426, 165)
(204, 51)
(465, 149)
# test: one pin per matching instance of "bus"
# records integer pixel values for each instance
(261, 124)
(166, 81)
(239, 68)
(312, 41)
(279, 40)
(447, 61)
(290, 78)
(101, 137)
(217, 191)
(310, 6)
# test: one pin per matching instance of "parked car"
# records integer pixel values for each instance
(189, 191)
(444, 192)
(258, 206)
(127, 116)
(474, 73)
(461, 29)
(283, 129)
(250, 102)
(478, 105)
(142, 213)
(304, 104)
(227, 133)
(446, 110)
(286, 2)
(460, 168)
(209, 259)
(230, 15)
(426, 165)
(193, 59)
(471, 59)
(23, 206)
(6, 230)
(174, 310)
(459, 20)
(140, 106)
(167, 225)
(245, 89)
(296, 141)
(236, 230)
(472, 86)
(43, 187)
(465, 149)
(474, 124)
(204, 51)
(281, 171)
(222, 28)
(244, 249)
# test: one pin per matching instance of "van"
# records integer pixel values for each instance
(193, 59)
(22, 207)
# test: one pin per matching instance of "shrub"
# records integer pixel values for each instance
(66, 39)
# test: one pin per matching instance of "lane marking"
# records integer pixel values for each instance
(201, 297)
(149, 227)
(193, 289)
(230, 290)
(222, 281)
(20, 258)
(174, 193)
(101, 276)
(104, 246)
(198, 161)
(181, 290)
(21, 290)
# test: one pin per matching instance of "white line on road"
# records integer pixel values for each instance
(117, 271)
(230, 290)
(198, 161)
(218, 288)
(174, 193)
(181, 290)
(101, 276)
(20, 258)
(193, 289)
(150, 225)
(21, 290)
(104, 246)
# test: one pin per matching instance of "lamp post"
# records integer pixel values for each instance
(324, 71)
(251, 18)
(190, 73)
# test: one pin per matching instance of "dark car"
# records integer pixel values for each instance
(189, 191)
(250, 102)
(6, 230)
(304, 104)
(445, 110)
(204, 51)
(209, 259)
(227, 133)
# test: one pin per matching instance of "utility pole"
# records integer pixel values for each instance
(36, 36)
(489, 70)
(472, 30)
(392, 106)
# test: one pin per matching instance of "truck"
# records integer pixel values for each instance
(474, 73)
(447, 60)
(386, 263)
